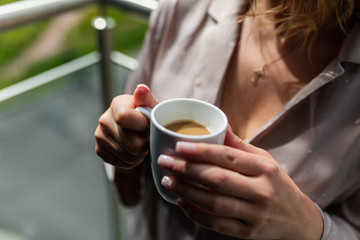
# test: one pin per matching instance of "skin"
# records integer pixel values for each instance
(249, 108)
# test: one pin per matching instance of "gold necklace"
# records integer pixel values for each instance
(259, 73)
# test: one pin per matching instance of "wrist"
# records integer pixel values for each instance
(129, 184)
(309, 224)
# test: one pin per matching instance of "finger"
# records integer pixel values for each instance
(124, 114)
(102, 150)
(108, 126)
(132, 142)
(224, 225)
(213, 177)
(210, 201)
(223, 156)
(143, 97)
(113, 152)
(234, 141)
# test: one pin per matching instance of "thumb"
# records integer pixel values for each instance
(232, 140)
(143, 97)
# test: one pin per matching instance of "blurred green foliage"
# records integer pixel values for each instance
(2, 2)
(128, 35)
(129, 31)
(13, 42)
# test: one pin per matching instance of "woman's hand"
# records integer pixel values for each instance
(121, 136)
(241, 191)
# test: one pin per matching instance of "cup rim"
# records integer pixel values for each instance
(185, 136)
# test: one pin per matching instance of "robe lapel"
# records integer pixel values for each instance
(220, 42)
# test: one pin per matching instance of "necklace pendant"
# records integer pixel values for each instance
(258, 73)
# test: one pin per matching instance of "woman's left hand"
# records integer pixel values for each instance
(239, 190)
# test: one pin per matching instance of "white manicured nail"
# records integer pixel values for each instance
(185, 147)
(167, 182)
(166, 161)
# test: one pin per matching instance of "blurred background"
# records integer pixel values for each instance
(61, 62)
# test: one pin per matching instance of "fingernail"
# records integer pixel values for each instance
(185, 147)
(166, 161)
(167, 182)
(142, 85)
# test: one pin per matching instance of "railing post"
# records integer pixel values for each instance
(104, 26)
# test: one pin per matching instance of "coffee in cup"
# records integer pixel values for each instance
(188, 127)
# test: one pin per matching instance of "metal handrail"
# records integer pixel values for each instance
(49, 76)
(124, 61)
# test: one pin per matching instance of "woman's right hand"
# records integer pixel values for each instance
(122, 138)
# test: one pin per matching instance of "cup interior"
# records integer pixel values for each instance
(189, 109)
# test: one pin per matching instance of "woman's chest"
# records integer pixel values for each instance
(253, 91)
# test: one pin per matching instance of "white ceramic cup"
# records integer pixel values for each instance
(163, 140)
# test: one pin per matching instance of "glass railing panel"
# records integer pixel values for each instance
(52, 185)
